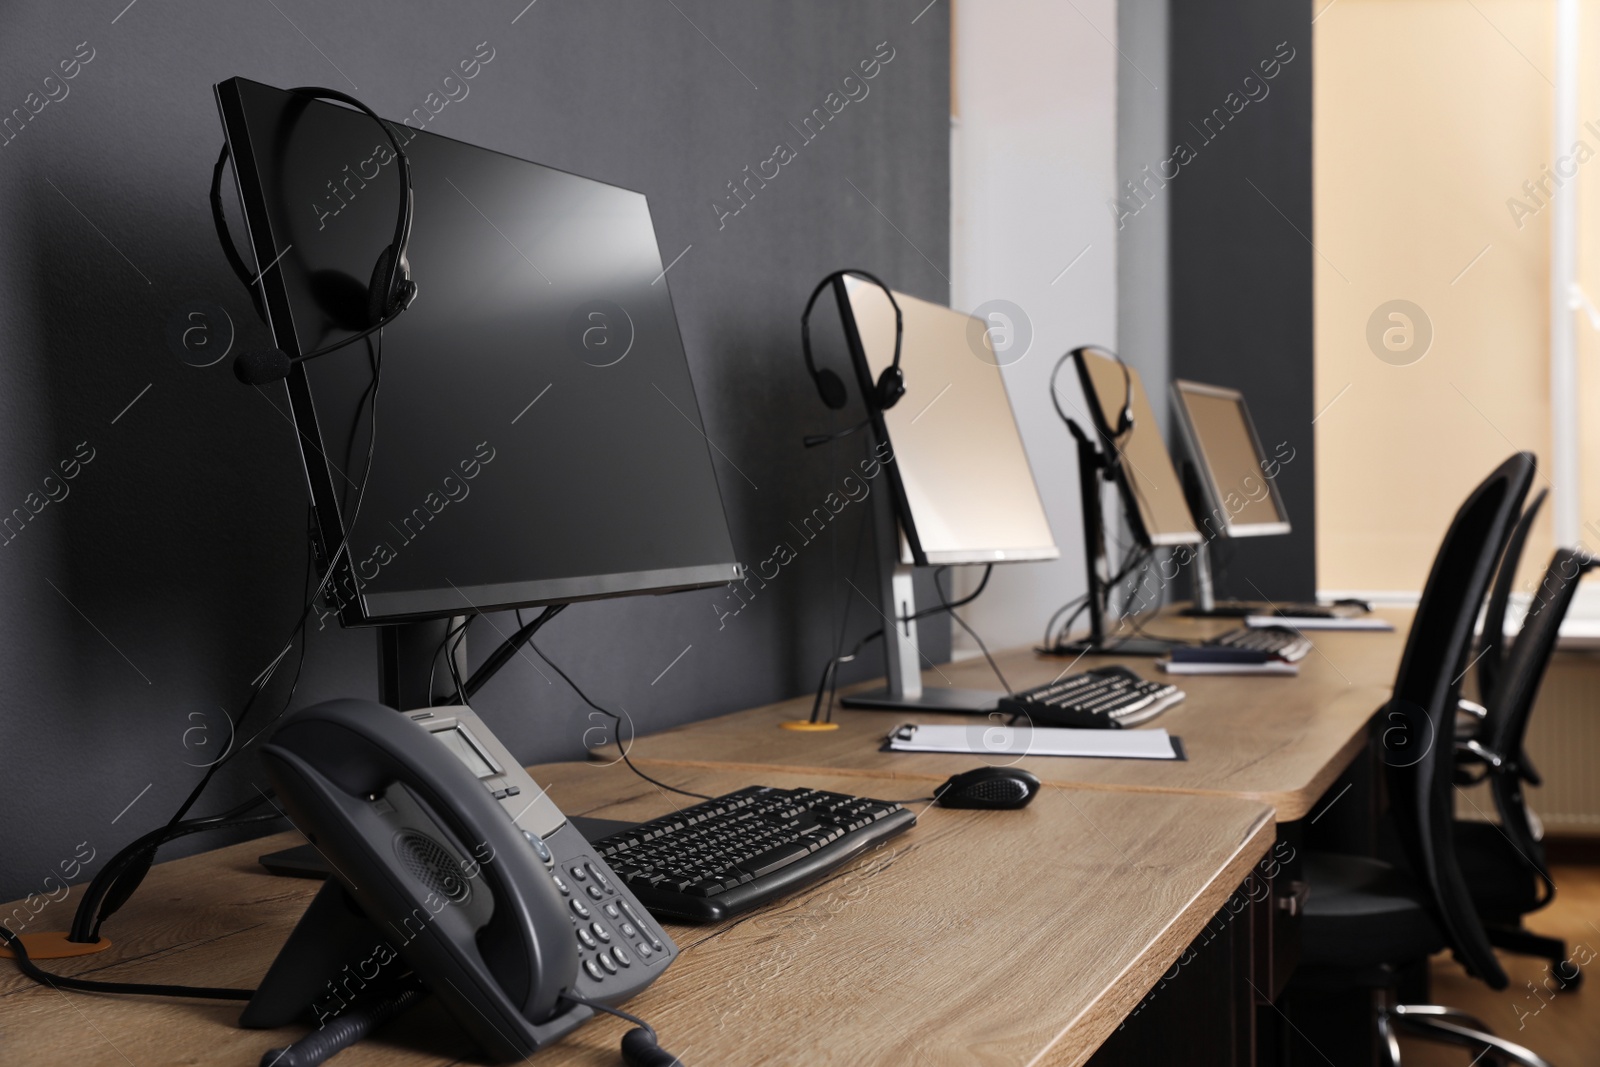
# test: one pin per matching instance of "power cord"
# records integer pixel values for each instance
(117, 880)
(134, 860)
(621, 747)
(951, 610)
(60, 981)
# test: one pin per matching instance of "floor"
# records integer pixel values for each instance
(1563, 1028)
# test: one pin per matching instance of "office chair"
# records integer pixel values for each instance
(1366, 922)
(1491, 642)
(1504, 862)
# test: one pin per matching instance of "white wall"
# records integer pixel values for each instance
(1033, 161)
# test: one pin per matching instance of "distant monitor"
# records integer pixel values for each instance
(1237, 498)
(1152, 494)
(968, 494)
(538, 436)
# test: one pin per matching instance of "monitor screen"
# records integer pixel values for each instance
(1149, 484)
(1228, 462)
(969, 494)
(538, 439)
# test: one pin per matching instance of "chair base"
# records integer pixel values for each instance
(1433, 1022)
(1523, 942)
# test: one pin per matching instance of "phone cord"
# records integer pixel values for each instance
(341, 1033)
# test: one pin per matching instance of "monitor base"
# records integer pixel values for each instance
(1238, 609)
(1117, 646)
(1226, 609)
(957, 701)
(302, 861)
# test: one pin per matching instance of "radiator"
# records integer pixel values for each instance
(1564, 746)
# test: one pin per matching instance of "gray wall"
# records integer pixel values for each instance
(1142, 139)
(1240, 253)
(146, 599)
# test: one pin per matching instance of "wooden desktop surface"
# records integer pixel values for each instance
(1018, 937)
(1279, 740)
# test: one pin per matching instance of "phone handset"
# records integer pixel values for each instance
(432, 874)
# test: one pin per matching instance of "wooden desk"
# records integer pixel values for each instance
(1278, 740)
(1016, 937)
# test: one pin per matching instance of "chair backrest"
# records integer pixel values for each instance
(1491, 645)
(1417, 731)
(1518, 686)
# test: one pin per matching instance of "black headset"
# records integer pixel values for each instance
(891, 383)
(390, 291)
(1125, 416)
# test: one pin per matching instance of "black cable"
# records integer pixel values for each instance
(618, 720)
(138, 868)
(351, 1025)
(451, 657)
(59, 981)
(433, 664)
(938, 587)
(830, 675)
(609, 1010)
(502, 655)
(333, 565)
(116, 881)
(641, 1046)
(949, 606)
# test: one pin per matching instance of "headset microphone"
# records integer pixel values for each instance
(262, 366)
(266, 365)
(812, 440)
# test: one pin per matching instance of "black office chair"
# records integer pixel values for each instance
(1366, 922)
(1504, 862)
(1491, 642)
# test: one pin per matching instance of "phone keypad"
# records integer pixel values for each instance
(611, 934)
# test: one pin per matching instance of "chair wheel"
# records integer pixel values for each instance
(1566, 985)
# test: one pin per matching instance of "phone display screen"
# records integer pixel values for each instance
(457, 740)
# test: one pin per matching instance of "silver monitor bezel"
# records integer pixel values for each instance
(1207, 476)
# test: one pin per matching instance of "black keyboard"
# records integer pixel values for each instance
(739, 851)
(1281, 641)
(1104, 698)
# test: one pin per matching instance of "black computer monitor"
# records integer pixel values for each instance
(538, 440)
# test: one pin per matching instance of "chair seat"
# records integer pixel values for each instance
(1362, 912)
(1503, 886)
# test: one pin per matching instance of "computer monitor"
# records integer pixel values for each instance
(538, 439)
(1226, 465)
(960, 468)
(1152, 495)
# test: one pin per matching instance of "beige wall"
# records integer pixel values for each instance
(1429, 117)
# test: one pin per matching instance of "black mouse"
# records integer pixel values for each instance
(991, 788)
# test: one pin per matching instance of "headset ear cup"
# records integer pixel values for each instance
(891, 387)
(832, 389)
(379, 298)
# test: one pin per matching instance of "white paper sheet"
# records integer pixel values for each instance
(993, 739)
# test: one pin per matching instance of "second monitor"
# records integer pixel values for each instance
(964, 489)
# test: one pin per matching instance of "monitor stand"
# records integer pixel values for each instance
(1206, 605)
(1093, 468)
(406, 654)
(897, 602)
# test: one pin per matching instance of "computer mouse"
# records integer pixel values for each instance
(991, 788)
